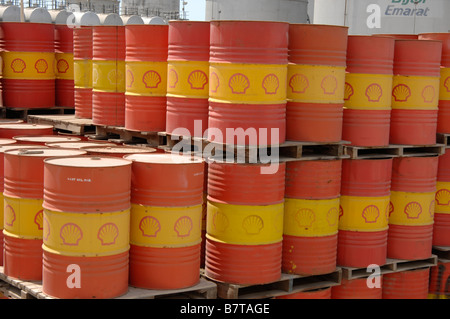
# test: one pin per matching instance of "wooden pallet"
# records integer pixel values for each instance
(65, 123)
(120, 135)
(287, 284)
(443, 138)
(23, 113)
(442, 252)
(390, 151)
(391, 265)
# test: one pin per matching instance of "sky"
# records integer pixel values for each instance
(195, 10)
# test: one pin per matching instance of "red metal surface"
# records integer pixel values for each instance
(425, 61)
(117, 151)
(80, 144)
(440, 279)
(146, 113)
(360, 249)
(64, 89)
(309, 255)
(182, 112)
(445, 38)
(443, 117)
(366, 127)
(409, 242)
(324, 293)
(108, 108)
(356, 289)
(83, 103)
(366, 177)
(313, 179)
(101, 277)
(164, 268)
(23, 258)
(243, 264)
(243, 184)
(414, 174)
(399, 36)
(416, 127)
(82, 43)
(412, 284)
(43, 139)
(441, 230)
(11, 130)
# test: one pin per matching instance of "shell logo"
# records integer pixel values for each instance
(172, 78)
(238, 83)
(428, 94)
(341, 212)
(374, 92)
(391, 209)
(197, 80)
(70, 234)
(442, 197)
(10, 215)
(149, 226)
(62, 66)
(47, 229)
(413, 210)
(129, 78)
(329, 84)
(220, 221)
(431, 208)
(183, 226)
(371, 214)
(115, 77)
(151, 79)
(348, 91)
(447, 84)
(18, 65)
(39, 219)
(401, 93)
(214, 82)
(270, 84)
(107, 234)
(41, 66)
(298, 83)
(253, 224)
(95, 76)
(305, 217)
(333, 216)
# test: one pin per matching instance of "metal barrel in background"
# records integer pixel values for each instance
(357, 289)
(410, 284)
(80, 144)
(117, 151)
(43, 139)
(324, 293)
(11, 130)
(188, 69)
(439, 286)
(441, 226)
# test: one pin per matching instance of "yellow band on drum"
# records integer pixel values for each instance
(364, 213)
(246, 83)
(23, 218)
(64, 66)
(28, 65)
(412, 208)
(188, 79)
(311, 218)
(442, 198)
(108, 76)
(2, 211)
(165, 226)
(78, 234)
(146, 78)
(368, 91)
(315, 83)
(245, 225)
(415, 92)
(82, 74)
(444, 90)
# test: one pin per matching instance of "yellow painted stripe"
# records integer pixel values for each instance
(188, 79)
(2, 210)
(415, 92)
(444, 90)
(82, 74)
(28, 65)
(442, 198)
(364, 213)
(245, 225)
(435, 296)
(23, 217)
(78, 234)
(315, 83)
(368, 91)
(412, 208)
(64, 66)
(245, 83)
(165, 226)
(146, 78)
(108, 76)
(311, 218)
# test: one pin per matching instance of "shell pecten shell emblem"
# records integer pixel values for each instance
(238, 83)
(18, 65)
(151, 79)
(39, 219)
(149, 226)
(183, 226)
(298, 83)
(401, 93)
(71, 234)
(270, 84)
(197, 79)
(305, 217)
(413, 210)
(329, 84)
(253, 224)
(447, 84)
(348, 91)
(371, 214)
(108, 233)
(62, 66)
(10, 215)
(428, 94)
(41, 66)
(374, 92)
(442, 197)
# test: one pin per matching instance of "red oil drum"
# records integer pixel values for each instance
(364, 211)
(146, 77)
(400, 36)
(23, 215)
(324, 293)
(82, 55)
(79, 145)
(247, 91)
(43, 139)
(415, 92)
(316, 78)
(116, 151)
(11, 130)
(166, 220)
(368, 87)
(311, 215)
(443, 125)
(188, 56)
(439, 287)
(86, 223)
(357, 289)
(28, 58)
(413, 203)
(108, 75)
(244, 224)
(7, 141)
(441, 226)
(412, 284)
